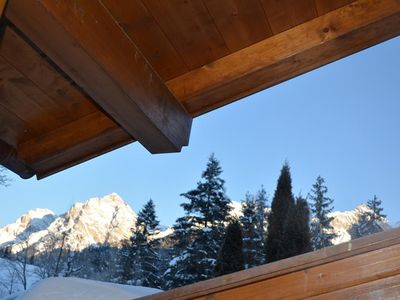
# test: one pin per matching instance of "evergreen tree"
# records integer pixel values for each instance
(376, 210)
(368, 222)
(248, 221)
(140, 260)
(321, 228)
(4, 180)
(298, 229)
(261, 221)
(201, 229)
(230, 258)
(277, 241)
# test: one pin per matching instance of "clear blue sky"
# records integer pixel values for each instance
(341, 121)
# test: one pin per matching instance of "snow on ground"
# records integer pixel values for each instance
(11, 277)
(70, 288)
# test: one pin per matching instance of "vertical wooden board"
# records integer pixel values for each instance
(325, 6)
(66, 98)
(241, 22)
(140, 26)
(285, 14)
(190, 28)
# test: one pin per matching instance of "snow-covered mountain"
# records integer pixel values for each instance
(109, 220)
(344, 223)
(96, 221)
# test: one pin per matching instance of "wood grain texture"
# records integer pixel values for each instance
(65, 100)
(241, 22)
(8, 159)
(325, 6)
(87, 44)
(191, 30)
(303, 48)
(140, 26)
(331, 269)
(386, 288)
(78, 153)
(285, 14)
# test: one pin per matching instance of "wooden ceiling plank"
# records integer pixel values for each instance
(241, 22)
(65, 98)
(78, 153)
(190, 28)
(84, 40)
(75, 133)
(325, 6)
(320, 41)
(15, 99)
(140, 26)
(12, 128)
(285, 14)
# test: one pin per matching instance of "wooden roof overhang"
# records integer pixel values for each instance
(82, 77)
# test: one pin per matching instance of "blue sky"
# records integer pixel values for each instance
(340, 121)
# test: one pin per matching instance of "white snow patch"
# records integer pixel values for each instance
(70, 288)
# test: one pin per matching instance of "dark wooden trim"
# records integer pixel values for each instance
(8, 158)
(83, 39)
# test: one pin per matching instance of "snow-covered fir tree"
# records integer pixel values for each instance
(252, 228)
(261, 222)
(277, 243)
(321, 205)
(230, 258)
(376, 209)
(368, 222)
(202, 229)
(139, 258)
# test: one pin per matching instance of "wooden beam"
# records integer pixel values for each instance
(83, 39)
(8, 158)
(334, 268)
(315, 43)
(2, 6)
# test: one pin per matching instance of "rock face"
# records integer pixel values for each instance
(97, 221)
(345, 224)
(110, 220)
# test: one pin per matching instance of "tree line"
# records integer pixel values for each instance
(209, 241)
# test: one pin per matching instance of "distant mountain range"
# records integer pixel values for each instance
(109, 220)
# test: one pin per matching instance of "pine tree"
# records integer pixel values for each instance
(230, 258)
(4, 180)
(283, 201)
(248, 221)
(206, 212)
(321, 228)
(376, 209)
(140, 254)
(298, 229)
(368, 222)
(261, 221)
